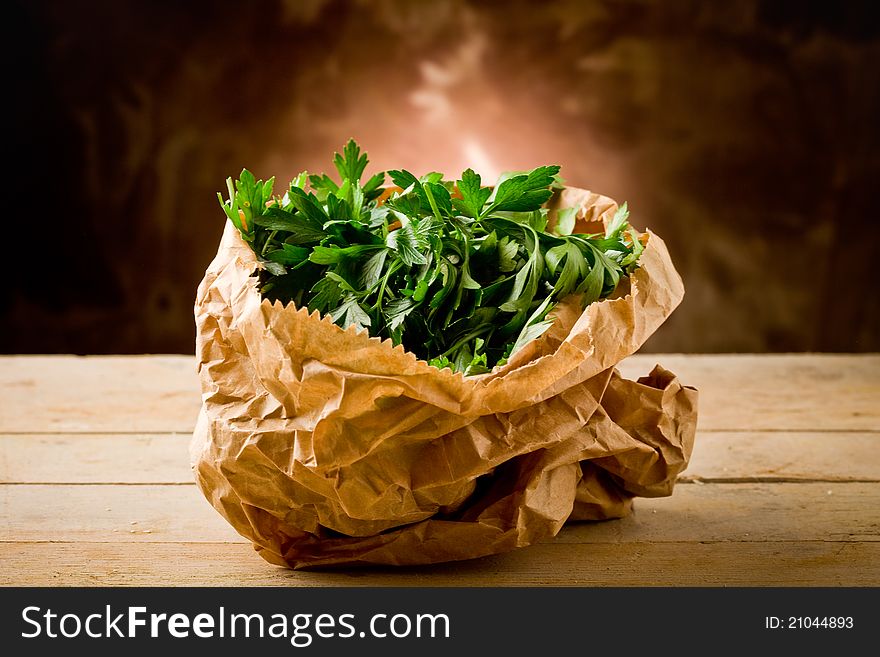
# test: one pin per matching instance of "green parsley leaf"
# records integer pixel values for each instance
(473, 196)
(565, 221)
(525, 192)
(351, 313)
(351, 163)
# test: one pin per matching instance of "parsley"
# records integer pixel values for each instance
(460, 274)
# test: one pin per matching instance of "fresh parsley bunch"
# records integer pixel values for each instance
(460, 274)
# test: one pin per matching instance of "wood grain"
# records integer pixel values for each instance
(164, 459)
(790, 392)
(98, 393)
(724, 456)
(95, 458)
(728, 563)
(783, 486)
(141, 394)
(709, 512)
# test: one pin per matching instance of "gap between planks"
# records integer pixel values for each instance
(188, 432)
(683, 480)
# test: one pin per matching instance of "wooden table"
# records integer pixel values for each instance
(783, 487)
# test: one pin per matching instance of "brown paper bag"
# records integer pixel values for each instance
(325, 446)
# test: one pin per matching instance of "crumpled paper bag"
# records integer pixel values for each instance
(325, 446)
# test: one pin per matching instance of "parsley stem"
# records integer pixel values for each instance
(477, 332)
(393, 268)
(432, 202)
(268, 240)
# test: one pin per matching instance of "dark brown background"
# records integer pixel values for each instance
(744, 133)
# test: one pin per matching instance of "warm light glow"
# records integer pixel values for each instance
(479, 160)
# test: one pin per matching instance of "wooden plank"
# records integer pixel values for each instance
(164, 458)
(95, 458)
(141, 394)
(98, 393)
(805, 392)
(744, 512)
(114, 513)
(695, 512)
(785, 456)
(797, 563)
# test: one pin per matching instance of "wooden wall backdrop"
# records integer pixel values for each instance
(745, 133)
